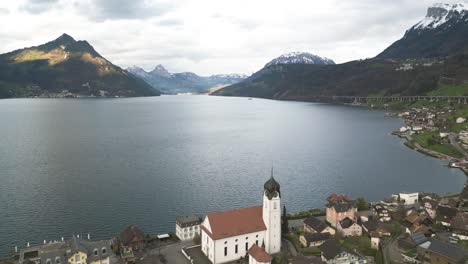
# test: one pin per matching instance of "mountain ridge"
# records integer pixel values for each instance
(423, 60)
(65, 67)
(183, 82)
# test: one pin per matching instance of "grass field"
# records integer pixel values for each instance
(451, 90)
(432, 141)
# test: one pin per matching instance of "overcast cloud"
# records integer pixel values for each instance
(212, 36)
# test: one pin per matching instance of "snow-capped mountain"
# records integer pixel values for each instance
(300, 58)
(441, 33)
(184, 82)
(439, 14)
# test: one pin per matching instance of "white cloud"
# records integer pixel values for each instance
(212, 36)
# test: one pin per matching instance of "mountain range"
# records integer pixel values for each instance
(432, 54)
(65, 67)
(184, 82)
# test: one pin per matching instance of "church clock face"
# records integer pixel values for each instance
(275, 194)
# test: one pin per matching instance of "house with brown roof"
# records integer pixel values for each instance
(459, 225)
(338, 208)
(314, 225)
(314, 239)
(445, 214)
(227, 236)
(131, 241)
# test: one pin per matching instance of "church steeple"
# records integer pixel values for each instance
(272, 215)
(272, 187)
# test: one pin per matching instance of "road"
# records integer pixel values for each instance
(391, 252)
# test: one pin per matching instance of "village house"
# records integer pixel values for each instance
(332, 252)
(131, 241)
(229, 235)
(430, 206)
(338, 208)
(459, 225)
(408, 198)
(409, 242)
(314, 225)
(314, 239)
(383, 229)
(348, 227)
(375, 240)
(446, 214)
(187, 227)
(381, 212)
(73, 251)
(436, 252)
(417, 222)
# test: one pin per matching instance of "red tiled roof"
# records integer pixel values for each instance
(259, 254)
(235, 222)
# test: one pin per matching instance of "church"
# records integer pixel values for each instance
(254, 231)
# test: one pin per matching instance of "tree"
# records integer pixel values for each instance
(362, 204)
(284, 222)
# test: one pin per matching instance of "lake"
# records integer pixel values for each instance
(79, 166)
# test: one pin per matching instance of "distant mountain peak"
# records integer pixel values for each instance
(66, 37)
(440, 13)
(300, 58)
(160, 70)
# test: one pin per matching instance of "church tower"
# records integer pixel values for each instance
(272, 215)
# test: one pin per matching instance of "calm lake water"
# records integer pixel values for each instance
(71, 166)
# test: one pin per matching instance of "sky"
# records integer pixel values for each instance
(212, 36)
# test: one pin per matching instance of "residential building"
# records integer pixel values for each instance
(381, 212)
(436, 251)
(348, 227)
(459, 225)
(228, 236)
(314, 239)
(187, 227)
(375, 240)
(334, 253)
(430, 206)
(446, 214)
(338, 208)
(314, 225)
(383, 229)
(133, 237)
(411, 241)
(73, 251)
(408, 198)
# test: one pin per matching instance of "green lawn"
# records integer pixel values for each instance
(360, 243)
(451, 90)
(310, 251)
(411, 253)
(432, 141)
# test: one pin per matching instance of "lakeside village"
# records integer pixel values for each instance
(405, 228)
(440, 131)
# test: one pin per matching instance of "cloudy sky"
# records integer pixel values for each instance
(212, 36)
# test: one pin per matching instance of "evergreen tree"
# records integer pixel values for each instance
(284, 221)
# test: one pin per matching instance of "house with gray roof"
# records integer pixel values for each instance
(74, 251)
(187, 227)
(436, 251)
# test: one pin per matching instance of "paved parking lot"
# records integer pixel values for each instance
(197, 255)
